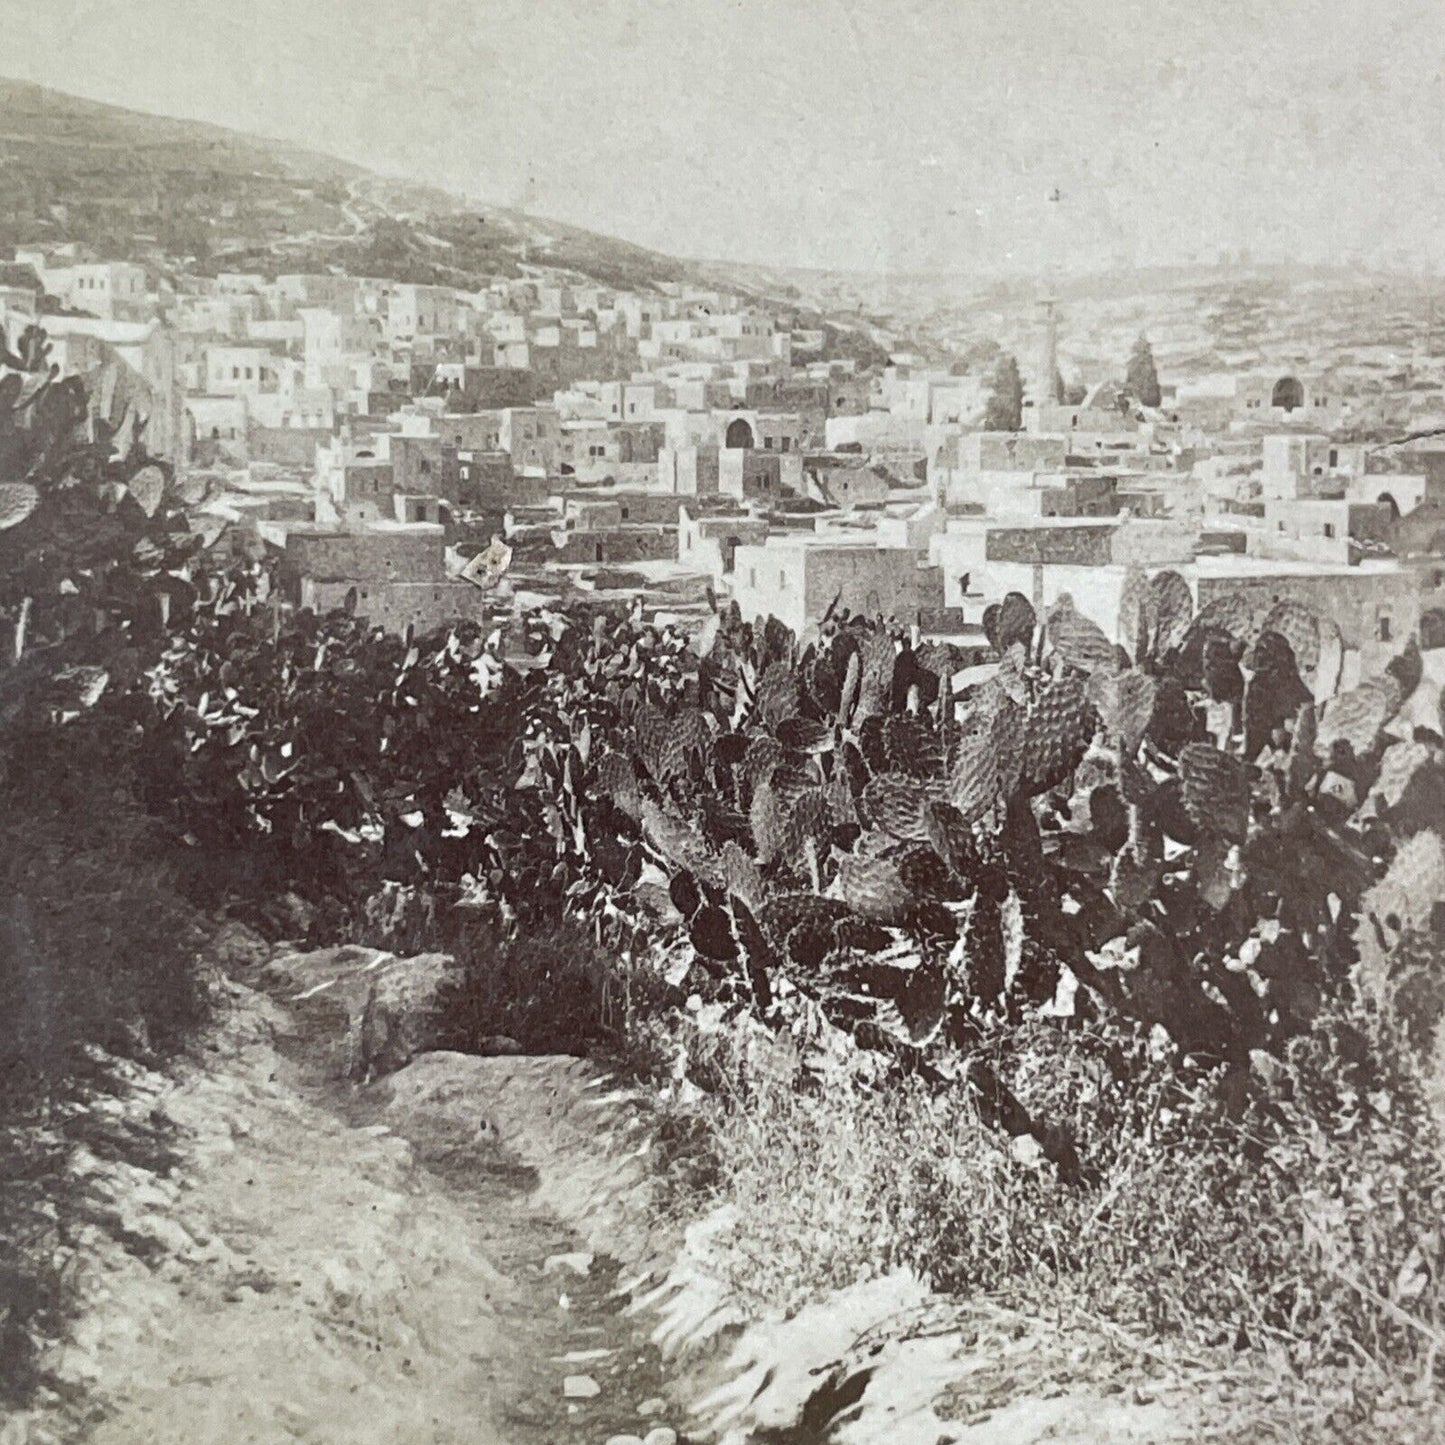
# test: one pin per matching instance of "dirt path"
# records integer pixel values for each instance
(313, 1275)
(405, 1264)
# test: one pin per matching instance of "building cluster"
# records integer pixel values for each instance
(695, 446)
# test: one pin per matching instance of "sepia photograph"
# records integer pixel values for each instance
(721, 722)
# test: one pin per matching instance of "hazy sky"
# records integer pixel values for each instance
(852, 133)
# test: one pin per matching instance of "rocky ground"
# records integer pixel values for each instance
(365, 1241)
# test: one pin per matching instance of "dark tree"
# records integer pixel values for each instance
(1142, 380)
(1006, 404)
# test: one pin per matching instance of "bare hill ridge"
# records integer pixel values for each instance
(161, 189)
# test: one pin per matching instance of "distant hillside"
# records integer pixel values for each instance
(49, 128)
(165, 190)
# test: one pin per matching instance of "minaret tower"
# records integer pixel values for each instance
(1053, 237)
(1048, 357)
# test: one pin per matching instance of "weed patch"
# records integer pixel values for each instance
(1291, 1212)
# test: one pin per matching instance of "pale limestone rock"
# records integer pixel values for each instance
(372, 1012)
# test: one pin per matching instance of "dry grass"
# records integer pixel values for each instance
(1286, 1243)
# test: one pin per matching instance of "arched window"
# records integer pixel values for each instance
(1288, 394)
(739, 435)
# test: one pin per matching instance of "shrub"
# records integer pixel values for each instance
(547, 990)
(550, 992)
(97, 963)
(99, 947)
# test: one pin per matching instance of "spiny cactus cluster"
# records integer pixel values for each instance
(1179, 833)
(1178, 825)
(95, 535)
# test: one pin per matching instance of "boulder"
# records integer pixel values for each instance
(364, 1011)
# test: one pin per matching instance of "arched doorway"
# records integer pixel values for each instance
(1288, 394)
(1432, 629)
(1386, 500)
(739, 435)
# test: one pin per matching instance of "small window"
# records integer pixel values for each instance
(1383, 629)
(1329, 529)
(1334, 457)
(752, 576)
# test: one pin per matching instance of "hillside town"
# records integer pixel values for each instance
(746, 749)
(418, 453)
